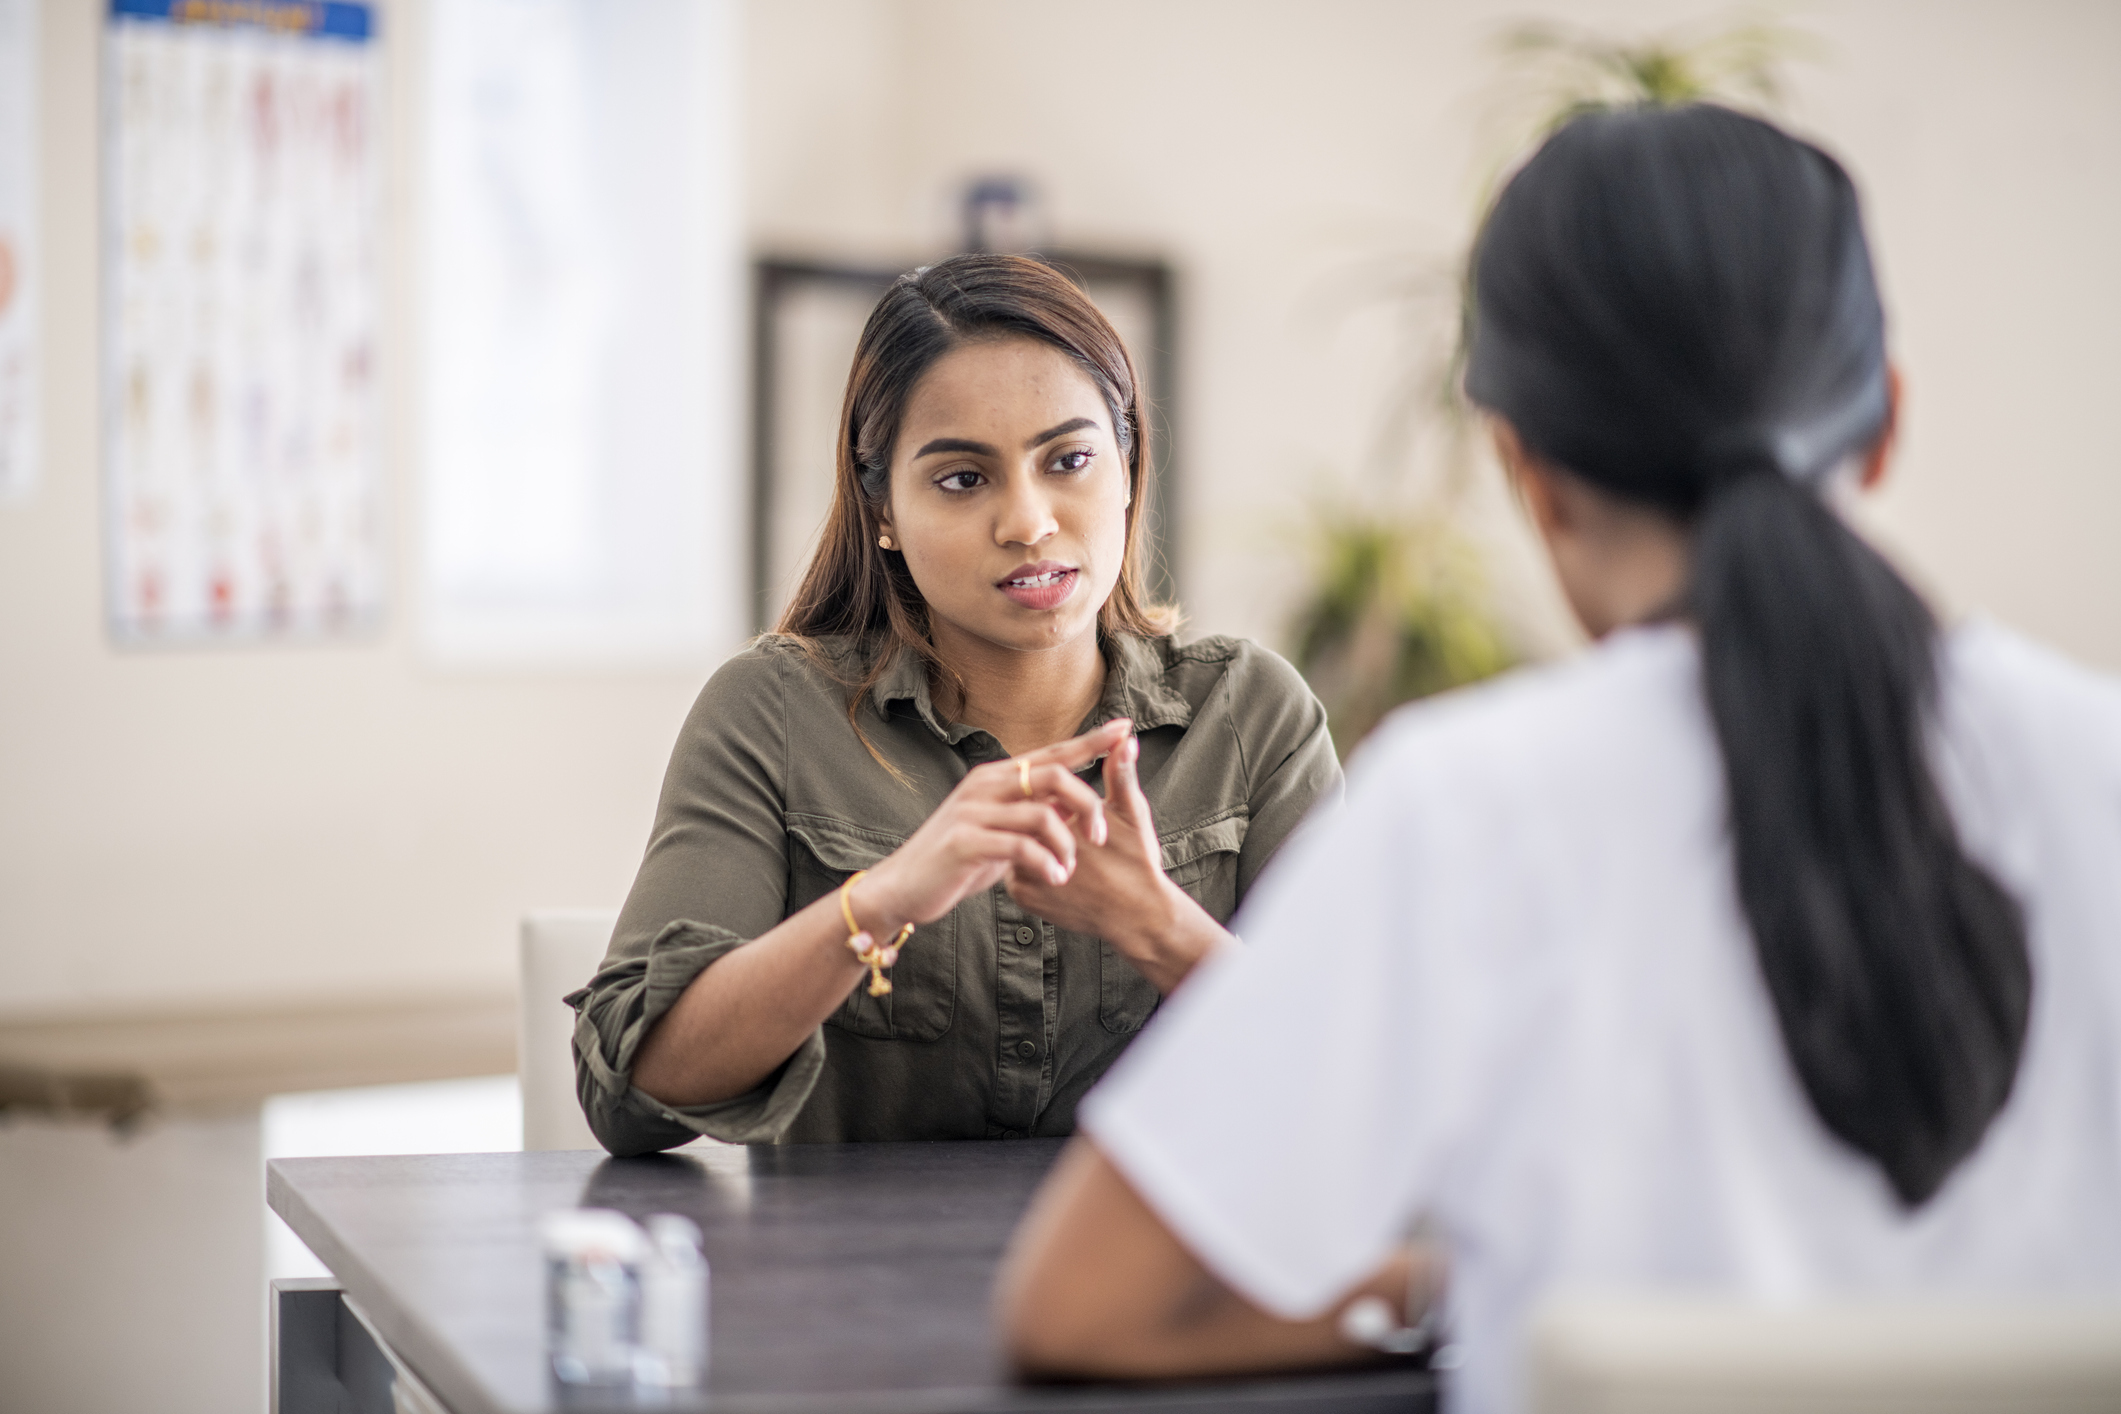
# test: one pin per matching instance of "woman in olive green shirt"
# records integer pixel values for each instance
(918, 745)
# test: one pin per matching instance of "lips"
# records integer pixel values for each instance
(1045, 585)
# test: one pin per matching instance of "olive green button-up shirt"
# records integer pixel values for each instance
(997, 1022)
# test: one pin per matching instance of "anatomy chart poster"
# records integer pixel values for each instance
(241, 288)
(18, 257)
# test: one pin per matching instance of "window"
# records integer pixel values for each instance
(582, 303)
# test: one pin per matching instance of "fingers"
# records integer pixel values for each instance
(1079, 751)
(1038, 821)
(1123, 790)
(1065, 791)
(993, 840)
(1048, 776)
(1025, 854)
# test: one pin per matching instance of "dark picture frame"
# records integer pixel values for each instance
(785, 494)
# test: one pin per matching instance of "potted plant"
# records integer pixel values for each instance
(1400, 602)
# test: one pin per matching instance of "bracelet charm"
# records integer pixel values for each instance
(874, 955)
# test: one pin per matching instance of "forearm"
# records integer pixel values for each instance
(1096, 1285)
(1201, 1327)
(748, 1012)
(1167, 936)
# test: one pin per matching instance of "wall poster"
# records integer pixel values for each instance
(243, 487)
(18, 248)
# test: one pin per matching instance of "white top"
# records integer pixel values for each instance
(1509, 988)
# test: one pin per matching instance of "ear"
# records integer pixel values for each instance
(1879, 459)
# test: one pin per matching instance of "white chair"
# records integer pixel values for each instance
(561, 949)
(1674, 1355)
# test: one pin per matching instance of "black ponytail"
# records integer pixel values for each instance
(1678, 306)
(1898, 968)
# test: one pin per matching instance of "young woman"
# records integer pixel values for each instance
(881, 900)
(1772, 948)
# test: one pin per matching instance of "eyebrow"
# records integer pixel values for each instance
(981, 449)
(955, 444)
(1073, 424)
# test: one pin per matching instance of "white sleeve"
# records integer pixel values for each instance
(1290, 1112)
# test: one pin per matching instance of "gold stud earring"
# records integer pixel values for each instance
(884, 540)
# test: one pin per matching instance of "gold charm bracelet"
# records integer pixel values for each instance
(875, 954)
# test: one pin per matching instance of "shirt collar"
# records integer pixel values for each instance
(906, 680)
(1137, 685)
(1135, 688)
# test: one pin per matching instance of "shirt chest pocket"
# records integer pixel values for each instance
(822, 855)
(1200, 859)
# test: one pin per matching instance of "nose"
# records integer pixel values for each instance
(1024, 516)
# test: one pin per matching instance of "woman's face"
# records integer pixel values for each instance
(1009, 495)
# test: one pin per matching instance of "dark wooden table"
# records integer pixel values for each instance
(846, 1277)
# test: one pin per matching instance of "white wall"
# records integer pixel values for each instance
(229, 825)
(232, 823)
(1988, 139)
(1273, 149)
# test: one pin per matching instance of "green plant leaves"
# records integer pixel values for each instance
(1399, 612)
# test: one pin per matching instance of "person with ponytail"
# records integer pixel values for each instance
(884, 898)
(1770, 948)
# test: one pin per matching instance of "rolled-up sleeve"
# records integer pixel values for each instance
(615, 1013)
(714, 877)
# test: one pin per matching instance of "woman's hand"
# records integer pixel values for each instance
(1118, 890)
(988, 828)
(1096, 1283)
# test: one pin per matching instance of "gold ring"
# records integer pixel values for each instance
(1023, 775)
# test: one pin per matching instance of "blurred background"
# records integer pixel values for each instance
(404, 407)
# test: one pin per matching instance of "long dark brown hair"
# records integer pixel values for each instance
(856, 589)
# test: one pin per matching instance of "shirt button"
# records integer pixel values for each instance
(1027, 1049)
(1026, 934)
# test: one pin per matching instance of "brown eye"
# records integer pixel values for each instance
(959, 481)
(1073, 461)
